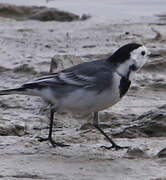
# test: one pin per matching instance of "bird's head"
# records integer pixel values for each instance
(129, 58)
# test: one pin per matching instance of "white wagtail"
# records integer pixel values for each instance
(88, 87)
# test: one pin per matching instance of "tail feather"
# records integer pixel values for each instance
(12, 91)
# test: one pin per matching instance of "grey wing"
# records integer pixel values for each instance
(69, 78)
(96, 75)
(98, 82)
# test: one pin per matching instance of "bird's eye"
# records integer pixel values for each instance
(143, 53)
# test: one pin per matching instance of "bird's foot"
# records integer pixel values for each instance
(116, 147)
(53, 143)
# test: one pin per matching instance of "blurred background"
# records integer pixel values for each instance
(105, 8)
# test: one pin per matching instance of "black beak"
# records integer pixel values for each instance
(154, 55)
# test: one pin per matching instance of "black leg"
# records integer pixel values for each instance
(96, 125)
(49, 138)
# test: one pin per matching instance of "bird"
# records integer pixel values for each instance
(88, 87)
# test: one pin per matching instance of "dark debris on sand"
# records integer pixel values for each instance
(36, 13)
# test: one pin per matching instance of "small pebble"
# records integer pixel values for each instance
(136, 152)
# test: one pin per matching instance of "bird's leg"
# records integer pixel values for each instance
(96, 125)
(49, 138)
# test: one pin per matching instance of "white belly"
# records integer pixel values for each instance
(85, 101)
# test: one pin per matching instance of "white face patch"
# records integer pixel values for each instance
(138, 58)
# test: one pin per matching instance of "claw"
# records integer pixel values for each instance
(41, 139)
(117, 147)
(53, 143)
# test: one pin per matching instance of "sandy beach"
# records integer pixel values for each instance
(138, 120)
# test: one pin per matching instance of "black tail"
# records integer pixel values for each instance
(12, 91)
